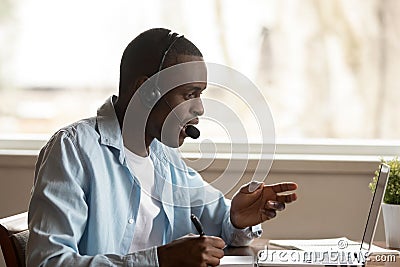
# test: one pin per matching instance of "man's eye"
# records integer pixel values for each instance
(191, 95)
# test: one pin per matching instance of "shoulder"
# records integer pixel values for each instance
(80, 129)
(75, 133)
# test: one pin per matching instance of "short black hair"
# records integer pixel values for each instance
(143, 55)
(181, 46)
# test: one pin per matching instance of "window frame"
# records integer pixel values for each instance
(301, 149)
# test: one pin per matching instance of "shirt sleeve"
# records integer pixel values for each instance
(215, 214)
(240, 237)
(218, 215)
(58, 212)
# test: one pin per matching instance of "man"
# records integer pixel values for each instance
(111, 191)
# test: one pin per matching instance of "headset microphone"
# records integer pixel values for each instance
(192, 131)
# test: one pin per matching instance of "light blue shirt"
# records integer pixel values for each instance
(85, 201)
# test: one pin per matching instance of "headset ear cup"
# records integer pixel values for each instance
(156, 94)
(150, 96)
(152, 93)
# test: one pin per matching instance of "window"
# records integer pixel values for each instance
(328, 69)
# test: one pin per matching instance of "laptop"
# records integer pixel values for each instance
(335, 251)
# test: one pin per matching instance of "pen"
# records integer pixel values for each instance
(197, 224)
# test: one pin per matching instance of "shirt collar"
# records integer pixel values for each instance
(109, 128)
(110, 135)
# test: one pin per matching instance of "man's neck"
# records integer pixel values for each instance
(137, 142)
(119, 112)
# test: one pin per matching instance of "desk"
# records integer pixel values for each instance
(258, 244)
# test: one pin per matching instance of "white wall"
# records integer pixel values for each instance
(333, 199)
(333, 194)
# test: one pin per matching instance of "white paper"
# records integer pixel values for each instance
(238, 261)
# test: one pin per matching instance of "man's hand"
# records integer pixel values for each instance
(251, 208)
(192, 250)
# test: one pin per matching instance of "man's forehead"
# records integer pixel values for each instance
(197, 86)
(189, 87)
(193, 73)
(196, 67)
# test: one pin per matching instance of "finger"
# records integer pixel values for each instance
(213, 255)
(251, 187)
(213, 261)
(283, 187)
(268, 213)
(254, 185)
(287, 198)
(216, 242)
(276, 205)
(190, 235)
(218, 253)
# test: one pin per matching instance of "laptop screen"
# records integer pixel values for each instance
(375, 208)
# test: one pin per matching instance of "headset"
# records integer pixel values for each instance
(150, 96)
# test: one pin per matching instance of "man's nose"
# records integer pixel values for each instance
(197, 107)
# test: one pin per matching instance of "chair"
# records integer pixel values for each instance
(13, 238)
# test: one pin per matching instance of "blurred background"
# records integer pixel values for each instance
(328, 69)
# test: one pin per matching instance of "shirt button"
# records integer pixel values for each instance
(130, 221)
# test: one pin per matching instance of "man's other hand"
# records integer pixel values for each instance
(192, 250)
(253, 207)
